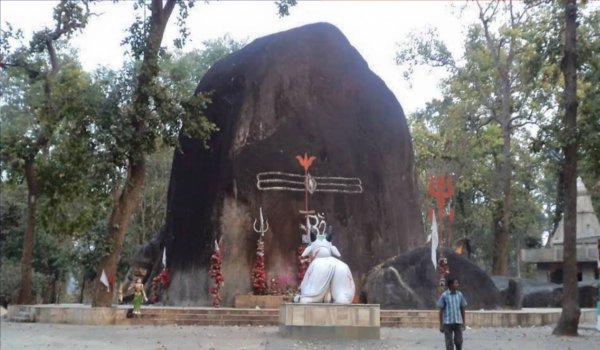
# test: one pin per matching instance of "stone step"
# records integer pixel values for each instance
(273, 312)
(23, 314)
(210, 317)
(196, 322)
(19, 318)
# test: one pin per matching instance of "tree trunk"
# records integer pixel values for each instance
(501, 261)
(26, 291)
(560, 199)
(569, 317)
(82, 289)
(117, 228)
(503, 60)
(136, 169)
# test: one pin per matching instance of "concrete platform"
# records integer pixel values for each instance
(164, 315)
(329, 321)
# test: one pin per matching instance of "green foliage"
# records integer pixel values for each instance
(460, 133)
(283, 7)
(423, 48)
(139, 31)
(10, 276)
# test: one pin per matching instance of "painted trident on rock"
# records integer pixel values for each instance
(264, 225)
(310, 184)
(442, 189)
(259, 280)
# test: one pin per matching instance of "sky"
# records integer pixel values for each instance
(374, 28)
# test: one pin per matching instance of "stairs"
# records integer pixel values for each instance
(208, 316)
(262, 317)
(205, 317)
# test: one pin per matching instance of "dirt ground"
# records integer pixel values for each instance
(55, 336)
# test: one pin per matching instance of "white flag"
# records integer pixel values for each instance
(104, 280)
(434, 240)
(164, 258)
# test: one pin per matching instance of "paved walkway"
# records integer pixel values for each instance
(55, 336)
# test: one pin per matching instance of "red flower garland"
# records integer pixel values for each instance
(216, 275)
(161, 280)
(259, 283)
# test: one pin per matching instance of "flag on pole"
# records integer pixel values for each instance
(434, 240)
(104, 280)
(164, 258)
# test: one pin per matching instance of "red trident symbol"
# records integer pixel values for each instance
(305, 162)
(441, 188)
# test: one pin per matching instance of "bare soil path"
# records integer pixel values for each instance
(56, 336)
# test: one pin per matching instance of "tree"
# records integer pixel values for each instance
(146, 120)
(180, 72)
(493, 91)
(569, 317)
(503, 50)
(150, 114)
(24, 151)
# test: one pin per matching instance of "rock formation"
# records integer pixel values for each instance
(409, 281)
(303, 90)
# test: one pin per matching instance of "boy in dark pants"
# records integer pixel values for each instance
(452, 314)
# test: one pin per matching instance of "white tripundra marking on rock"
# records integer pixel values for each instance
(280, 181)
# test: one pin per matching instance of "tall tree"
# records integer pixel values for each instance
(569, 317)
(503, 50)
(24, 151)
(143, 118)
(150, 114)
(494, 90)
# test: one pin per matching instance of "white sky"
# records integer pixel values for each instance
(374, 27)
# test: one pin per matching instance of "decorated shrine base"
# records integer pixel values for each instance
(205, 316)
(329, 321)
(249, 301)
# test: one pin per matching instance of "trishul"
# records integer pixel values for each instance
(264, 225)
(309, 183)
(441, 188)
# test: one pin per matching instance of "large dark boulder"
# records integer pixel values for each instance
(303, 90)
(511, 291)
(545, 294)
(409, 281)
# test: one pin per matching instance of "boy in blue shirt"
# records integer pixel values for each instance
(452, 314)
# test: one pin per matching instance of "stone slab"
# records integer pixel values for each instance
(329, 321)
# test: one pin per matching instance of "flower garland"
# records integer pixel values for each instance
(216, 275)
(259, 283)
(161, 281)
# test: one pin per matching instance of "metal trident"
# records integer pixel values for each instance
(264, 225)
